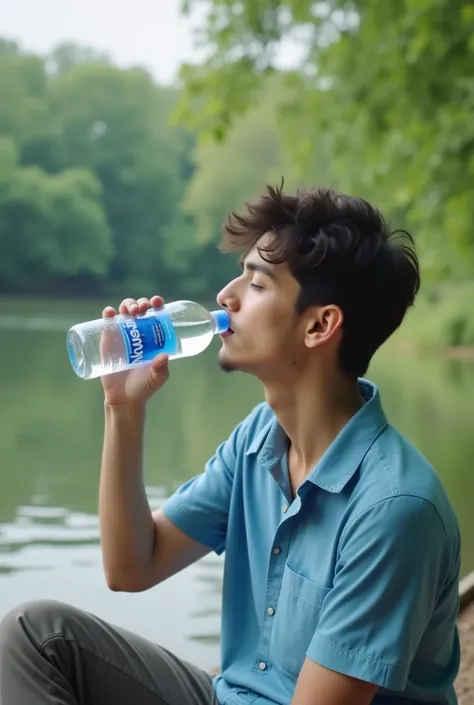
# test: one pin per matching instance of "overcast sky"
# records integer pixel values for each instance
(147, 32)
(151, 33)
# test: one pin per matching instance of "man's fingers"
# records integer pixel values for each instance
(127, 305)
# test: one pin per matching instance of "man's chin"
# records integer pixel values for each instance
(229, 366)
(225, 364)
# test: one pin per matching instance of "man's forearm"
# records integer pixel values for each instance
(126, 524)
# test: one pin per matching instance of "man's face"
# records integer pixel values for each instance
(268, 336)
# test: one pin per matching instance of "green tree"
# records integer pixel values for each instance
(230, 172)
(50, 225)
(114, 122)
(94, 175)
(23, 91)
(387, 87)
(69, 54)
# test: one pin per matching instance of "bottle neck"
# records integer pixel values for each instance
(221, 321)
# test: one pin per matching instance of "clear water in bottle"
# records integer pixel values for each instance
(108, 345)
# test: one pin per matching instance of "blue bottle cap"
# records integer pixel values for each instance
(222, 320)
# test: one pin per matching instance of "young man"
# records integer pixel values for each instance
(341, 548)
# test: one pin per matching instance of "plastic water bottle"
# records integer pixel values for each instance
(108, 345)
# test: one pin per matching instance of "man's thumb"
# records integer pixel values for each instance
(159, 370)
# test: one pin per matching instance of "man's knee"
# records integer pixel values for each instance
(35, 620)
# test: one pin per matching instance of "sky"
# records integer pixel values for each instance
(150, 33)
(147, 32)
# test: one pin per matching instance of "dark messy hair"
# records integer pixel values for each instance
(341, 251)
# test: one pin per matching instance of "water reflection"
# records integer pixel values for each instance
(208, 609)
(49, 540)
(23, 541)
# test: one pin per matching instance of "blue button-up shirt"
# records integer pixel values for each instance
(359, 572)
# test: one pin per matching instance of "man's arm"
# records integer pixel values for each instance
(317, 685)
(139, 549)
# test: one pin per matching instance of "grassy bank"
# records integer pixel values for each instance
(442, 319)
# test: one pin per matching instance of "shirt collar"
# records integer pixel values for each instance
(345, 454)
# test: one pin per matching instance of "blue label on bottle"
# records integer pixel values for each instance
(147, 336)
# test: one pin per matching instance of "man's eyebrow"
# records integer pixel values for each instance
(258, 267)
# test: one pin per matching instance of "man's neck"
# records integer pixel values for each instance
(312, 413)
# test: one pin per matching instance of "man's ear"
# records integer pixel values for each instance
(323, 323)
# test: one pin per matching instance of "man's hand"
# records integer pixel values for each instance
(135, 386)
(317, 685)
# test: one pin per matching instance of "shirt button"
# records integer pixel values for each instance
(270, 611)
(262, 666)
(284, 509)
(276, 551)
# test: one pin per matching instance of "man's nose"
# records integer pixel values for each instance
(227, 298)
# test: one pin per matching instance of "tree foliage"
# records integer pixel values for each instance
(92, 175)
(50, 224)
(102, 192)
(381, 99)
(232, 171)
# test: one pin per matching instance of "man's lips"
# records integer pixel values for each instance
(227, 333)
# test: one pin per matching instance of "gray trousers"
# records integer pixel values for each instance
(54, 654)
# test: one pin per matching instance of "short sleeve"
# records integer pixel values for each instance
(200, 507)
(392, 565)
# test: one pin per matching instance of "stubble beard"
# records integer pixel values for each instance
(226, 366)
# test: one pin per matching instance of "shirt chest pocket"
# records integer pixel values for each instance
(295, 621)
